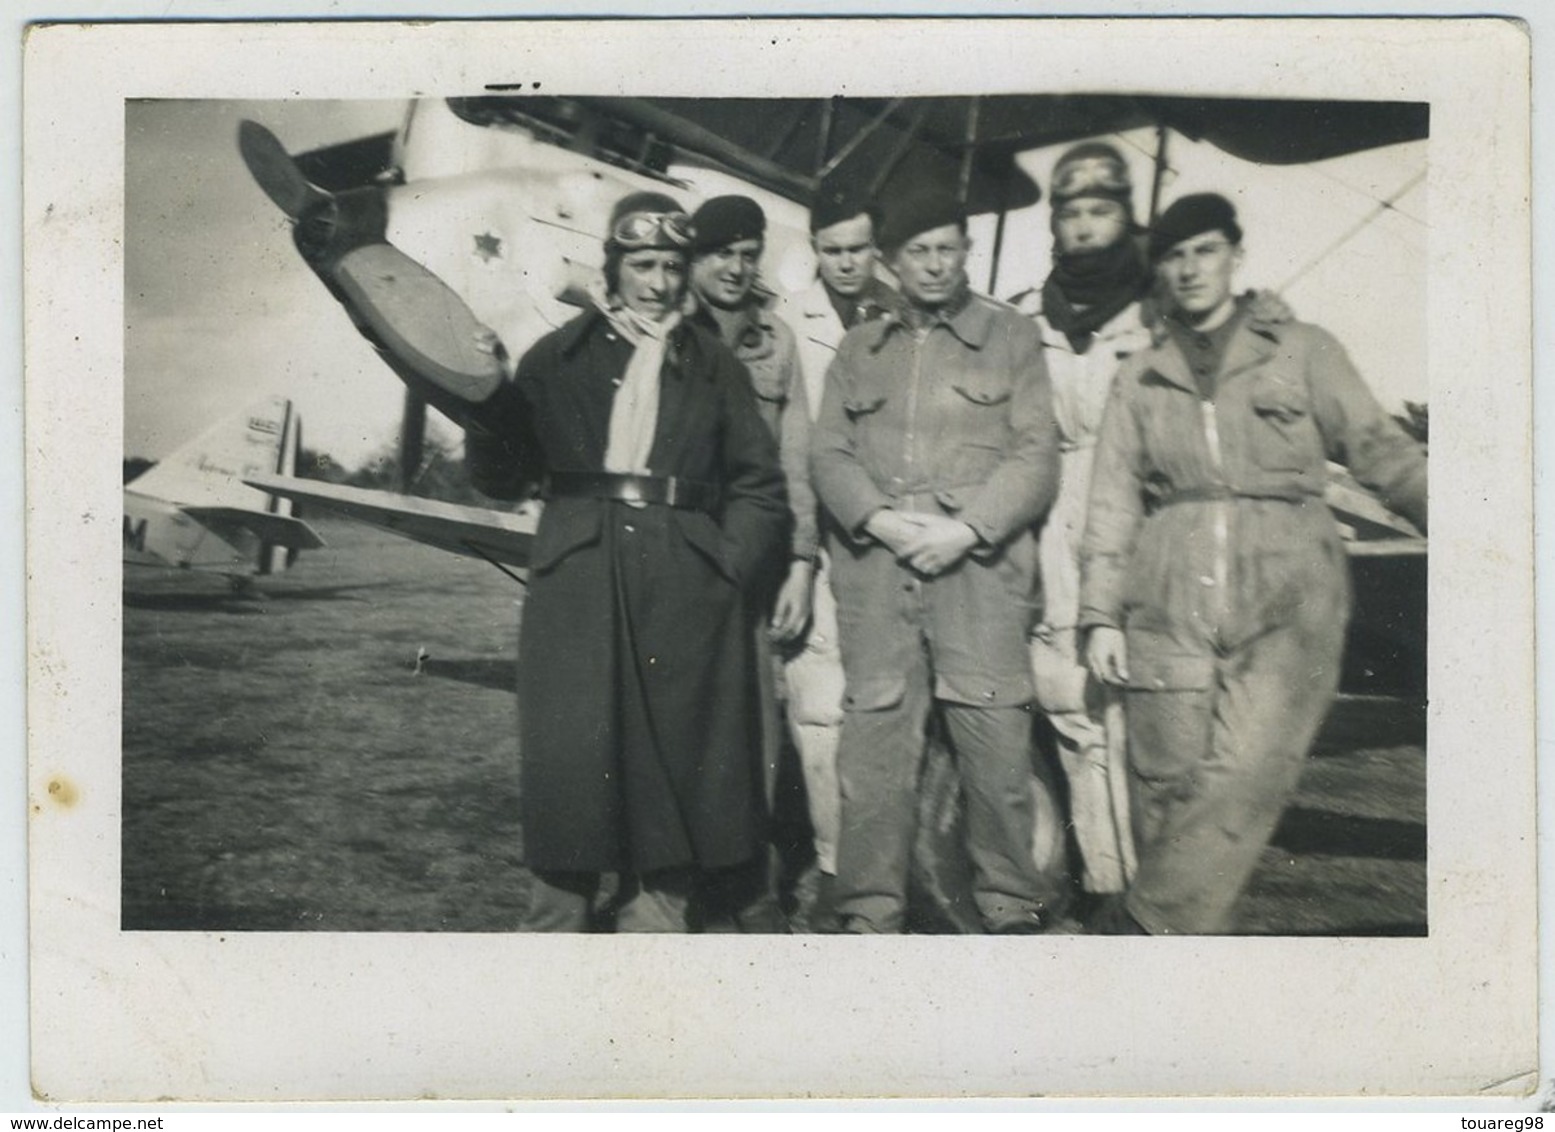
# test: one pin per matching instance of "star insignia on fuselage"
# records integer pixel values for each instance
(488, 247)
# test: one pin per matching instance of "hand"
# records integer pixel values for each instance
(792, 612)
(1269, 306)
(1106, 655)
(938, 545)
(893, 529)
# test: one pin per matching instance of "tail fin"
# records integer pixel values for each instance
(272, 558)
(208, 472)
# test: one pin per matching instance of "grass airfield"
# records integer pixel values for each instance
(287, 766)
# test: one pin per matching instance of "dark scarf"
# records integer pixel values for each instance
(1103, 282)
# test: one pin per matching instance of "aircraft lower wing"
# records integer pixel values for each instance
(1370, 528)
(476, 532)
(280, 530)
(500, 536)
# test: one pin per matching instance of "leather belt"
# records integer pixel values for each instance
(1217, 492)
(672, 491)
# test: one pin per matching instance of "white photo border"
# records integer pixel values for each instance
(192, 1016)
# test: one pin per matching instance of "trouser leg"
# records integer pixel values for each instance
(771, 711)
(655, 902)
(878, 756)
(743, 898)
(1088, 725)
(1085, 752)
(818, 759)
(993, 749)
(815, 686)
(1215, 768)
(559, 902)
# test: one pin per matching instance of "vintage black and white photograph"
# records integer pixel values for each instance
(757, 709)
(558, 504)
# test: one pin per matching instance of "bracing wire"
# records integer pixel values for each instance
(1350, 233)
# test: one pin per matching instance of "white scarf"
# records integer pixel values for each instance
(634, 414)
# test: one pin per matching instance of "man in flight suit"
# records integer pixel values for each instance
(935, 453)
(1215, 587)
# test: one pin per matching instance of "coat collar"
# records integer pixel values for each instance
(755, 324)
(572, 336)
(971, 325)
(814, 305)
(1131, 322)
(1252, 342)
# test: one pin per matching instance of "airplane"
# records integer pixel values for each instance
(459, 222)
(476, 223)
(192, 510)
(484, 215)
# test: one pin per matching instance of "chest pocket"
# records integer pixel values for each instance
(980, 423)
(860, 403)
(986, 390)
(767, 379)
(757, 349)
(976, 436)
(1284, 437)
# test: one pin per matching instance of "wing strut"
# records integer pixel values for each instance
(479, 553)
(1158, 181)
(858, 139)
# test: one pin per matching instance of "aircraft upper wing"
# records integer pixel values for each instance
(476, 532)
(280, 530)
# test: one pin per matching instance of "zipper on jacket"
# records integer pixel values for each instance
(920, 339)
(1222, 565)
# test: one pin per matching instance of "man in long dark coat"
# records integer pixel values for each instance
(665, 509)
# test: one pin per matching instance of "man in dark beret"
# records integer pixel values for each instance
(729, 236)
(1215, 589)
(935, 454)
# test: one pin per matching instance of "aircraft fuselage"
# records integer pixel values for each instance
(159, 533)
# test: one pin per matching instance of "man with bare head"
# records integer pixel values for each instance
(846, 292)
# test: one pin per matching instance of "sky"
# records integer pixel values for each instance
(220, 310)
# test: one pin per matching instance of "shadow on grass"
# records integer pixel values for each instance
(1372, 931)
(1306, 832)
(1367, 722)
(253, 601)
(500, 674)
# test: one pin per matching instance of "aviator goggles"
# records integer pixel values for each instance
(1090, 174)
(652, 230)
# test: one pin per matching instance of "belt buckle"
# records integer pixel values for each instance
(672, 491)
